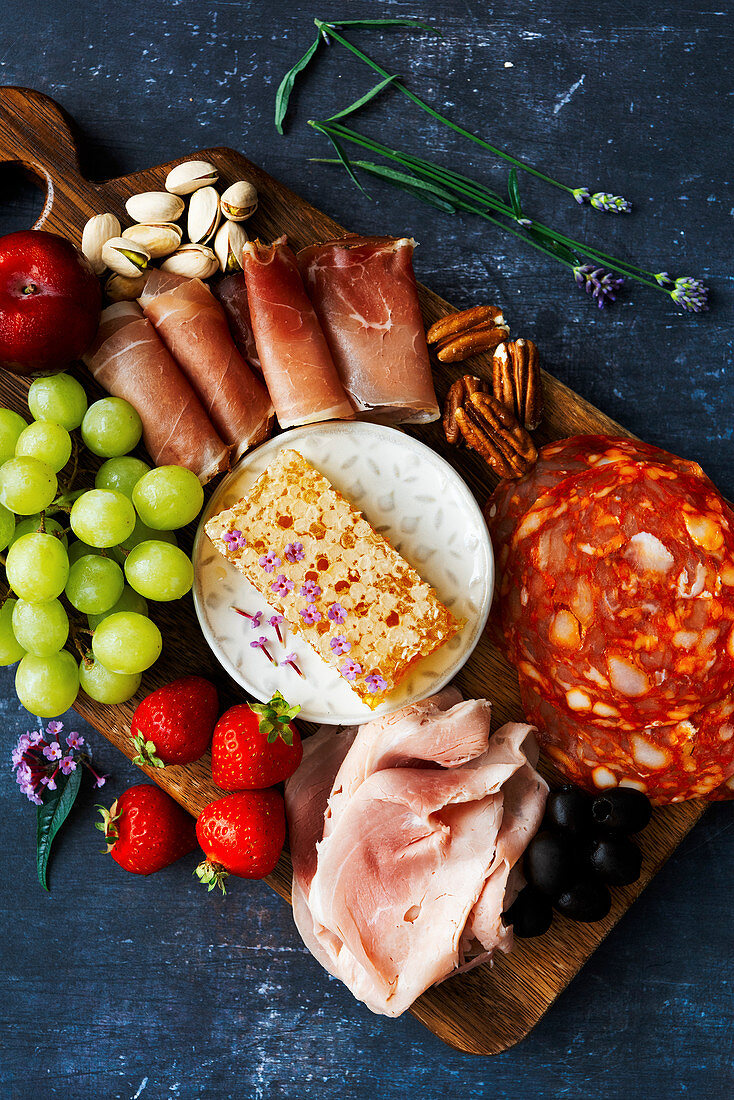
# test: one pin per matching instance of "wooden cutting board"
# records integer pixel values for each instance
(490, 1008)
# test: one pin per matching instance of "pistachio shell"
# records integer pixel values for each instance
(153, 207)
(190, 176)
(229, 242)
(239, 201)
(203, 215)
(194, 261)
(158, 240)
(125, 257)
(97, 232)
(119, 288)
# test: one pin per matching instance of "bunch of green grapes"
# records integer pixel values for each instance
(81, 564)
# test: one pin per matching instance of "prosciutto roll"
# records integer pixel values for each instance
(295, 357)
(366, 298)
(130, 361)
(193, 326)
(232, 293)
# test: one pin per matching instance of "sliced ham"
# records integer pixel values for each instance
(129, 360)
(405, 836)
(193, 326)
(366, 298)
(295, 357)
(232, 293)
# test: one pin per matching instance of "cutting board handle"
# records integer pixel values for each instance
(35, 132)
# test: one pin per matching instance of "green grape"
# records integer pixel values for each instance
(11, 425)
(33, 523)
(159, 571)
(59, 399)
(111, 427)
(41, 628)
(105, 686)
(10, 648)
(79, 550)
(48, 442)
(102, 517)
(127, 642)
(26, 485)
(37, 567)
(7, 527)
(141, 533)
(95, 584)
(47, 686)
(121, 474)
(130, 600)
(168, 497)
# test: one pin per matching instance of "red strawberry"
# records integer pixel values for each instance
(174, 724)
(255, 745)
(241, 834)
(146, 830)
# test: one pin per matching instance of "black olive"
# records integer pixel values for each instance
(551, 862)
(569, 809)
(616, 860)
(621, 810)
(530, 914)
(587, 900)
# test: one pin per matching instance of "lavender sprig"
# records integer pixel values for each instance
(602, 200)
(602, 285)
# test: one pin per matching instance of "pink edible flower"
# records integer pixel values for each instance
(50, 783)
(68, 765)
(52, 751)
(35, 737)
(234, 540)
(275, 621)
(54, 728)
(262, 643)
(337, 613)
(100, 781)
(74, 741)
(340, 644)
(375, 682)
(294, 552)
(281, 585)
(269, 561)
(311, 591)
(256, 619)
(350, 670)
(310, 615)
(290, 659)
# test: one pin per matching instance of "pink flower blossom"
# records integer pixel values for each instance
(262, 643)
(311, 591)
(52, 751)
(294, 552)
(375, 682)
(310, 615)
(340, 644)
(290, 659)
(269, 561)
(54, 728)
(234, 540)
(100, 781)
(275, 621)
(256, 620)
(68, 765)
(75, 741)
(51, 784)
(35, 737)
(350, 670)
(337, 613)
(281, 585)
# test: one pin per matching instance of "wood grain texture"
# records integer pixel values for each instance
(519, 989)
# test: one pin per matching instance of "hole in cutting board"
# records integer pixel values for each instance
(22, 198)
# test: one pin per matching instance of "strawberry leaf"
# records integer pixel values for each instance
(51, 816)
(146, 753)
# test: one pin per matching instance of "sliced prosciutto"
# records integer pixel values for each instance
(193, 326)
(405, 836)
(232, 293)
(295, 357)
(129, 360)
(366, 298)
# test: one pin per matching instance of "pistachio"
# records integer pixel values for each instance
(125, 257)
(229, 242)
(194, 261)
(239, 201)
(153, 207)
(119, 288)
(97, 232)
(190, 176)
(158, 240)
(203, 215)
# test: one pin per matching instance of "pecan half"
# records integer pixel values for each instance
(455, 399)
(490, 429)
(460, 335)
(516, 380)
(454, 323)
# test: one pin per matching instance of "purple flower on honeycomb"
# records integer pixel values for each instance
(270, 561)
(375, 682)
(311, 591)
(294, 552)
(234, 540)
(350, 670)
(337, 613)
(310, 615)
(340, 644)
(281, 585)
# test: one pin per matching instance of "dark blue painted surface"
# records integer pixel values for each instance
(120, 987)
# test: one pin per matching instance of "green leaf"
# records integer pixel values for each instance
(283, 95)
(51, 816)
(428, 192)
(343, 158)
(554, 246)
(514, 192)
(323, 25)
(363, 99)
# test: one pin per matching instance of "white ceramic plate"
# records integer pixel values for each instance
(409, 494)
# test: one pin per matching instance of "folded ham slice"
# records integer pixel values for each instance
(193, 326)
(366, 298)
(405, 834)
(296, 361)
(129, 360)
(232, 293)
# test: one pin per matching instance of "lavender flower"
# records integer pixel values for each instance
(281, 585)
(311, 591)
(310, 615)
(375, 682)
(262, 643)
(690, 294)
(610, 204)
(290, 659)
(350, 670)
(582, 195)
(294, 552)
(234, 540)
(38, 761)
(275, 621)
(663, 279)
(337, 613)
(340, 644)
(602, 285)
(270, 561)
